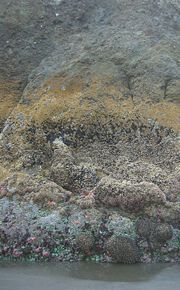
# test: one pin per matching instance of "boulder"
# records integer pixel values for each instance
(123, 250)
(127, 196)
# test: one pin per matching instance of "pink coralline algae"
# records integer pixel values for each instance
(17, 253)
(37, 250)
(31, 240)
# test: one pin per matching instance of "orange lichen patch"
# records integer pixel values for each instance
(66, 100)
(9, 97)
(63, 99)
(166, 114)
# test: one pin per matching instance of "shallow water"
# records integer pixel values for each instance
(90, 276)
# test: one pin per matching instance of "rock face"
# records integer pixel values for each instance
(89, 112)
(128, 196)
(99, 53)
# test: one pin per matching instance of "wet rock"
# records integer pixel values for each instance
(86, 219)
(3, 236)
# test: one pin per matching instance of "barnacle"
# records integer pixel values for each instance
(85, 242)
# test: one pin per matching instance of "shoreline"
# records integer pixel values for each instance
(86, 235)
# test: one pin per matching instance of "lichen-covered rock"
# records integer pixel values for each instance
(119, 65)
(38, 190)
(139, 171)
(19, 184)
(128, 196)
(4, 173)
(86, 200)
(123, 250)
(91, 93)
(63, 165)
(84, 177)
(66, 171)
(62, 174)
(50, 194)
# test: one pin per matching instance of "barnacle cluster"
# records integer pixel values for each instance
(3, 237)
(85, 241)
(123, 250)
(144, 227)
(163, 233)
(128, 196)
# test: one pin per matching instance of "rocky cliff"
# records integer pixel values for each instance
(89, 120)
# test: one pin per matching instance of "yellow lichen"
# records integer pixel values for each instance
(4, 172)
(9, 97)
(166, 113)
(65, 100)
